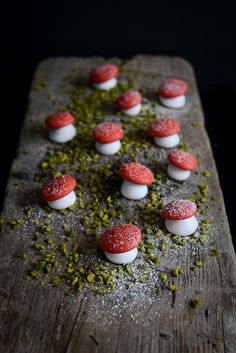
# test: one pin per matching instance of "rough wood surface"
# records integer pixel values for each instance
(37, 319)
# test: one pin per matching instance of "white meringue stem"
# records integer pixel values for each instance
(109, 84)
(108, 148)
(182, 227)
(63, 134)
(175, 103)
(122, 258)
(64, 202)
(133, 111)
(177, 173)
(133, 191)
(167, 141)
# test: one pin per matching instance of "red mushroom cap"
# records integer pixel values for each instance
(119, 239)
(57, 188)
(108, 132)
(182, 160)
(129, 100)
(163, 128)
(179, 209)
(59, 120)
(172, 88)
(136, 173)
(103, 73)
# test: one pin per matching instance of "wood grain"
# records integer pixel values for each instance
(39, 319)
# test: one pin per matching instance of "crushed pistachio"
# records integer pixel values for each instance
(199, 263)
(196, 303)
(176, 272)
(64, 249)
(163, 276)
(23, 256)
(214, 252)
(172, 287)
(91, 277)
(56, 281)
(206, 173)
(89, 109)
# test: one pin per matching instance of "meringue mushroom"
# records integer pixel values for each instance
(120, 243)
(165, 132)
(59, 192)
(172, 93)
(180, 217)
(136, 178)
(61, 128)
(103, 76)
(181, 164)
(130, 103)
(107, 136)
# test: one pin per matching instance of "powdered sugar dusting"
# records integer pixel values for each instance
(179, 209)
(182, 160)
(172, 88)
(103, 72)
(129, 100)
(164, 127)
(121, 238)
(57, 188)
(108, 132)
(136, 173)
(59, 120)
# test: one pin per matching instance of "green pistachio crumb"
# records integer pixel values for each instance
(90, 277)
(159, 233)
(206, 173)
(172, 287)
(163, 276)
(196, 303)
(23, 256)
(56, 281)
(176, 272)
(214, 252)
(35, 274)
(199, 263)
(64, 249)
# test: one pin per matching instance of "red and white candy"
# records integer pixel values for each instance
(180, 217)
(130, 103)
(120, 243)
(172, 93)
(103, 76)
(165, 132)
(180, 165)
(61, 128)
(107, 136)
(136, 178)
(59, 192)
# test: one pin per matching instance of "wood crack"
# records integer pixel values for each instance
(222, 317)
(94, 339)
(74, 323)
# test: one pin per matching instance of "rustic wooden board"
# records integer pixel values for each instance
(37, 318)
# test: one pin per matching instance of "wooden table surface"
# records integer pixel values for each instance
(40, 318)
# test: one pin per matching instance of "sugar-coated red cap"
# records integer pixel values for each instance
(136, 173)
(129, 100)
(182, 160)
(179, 209)
(172, 88)
(59, 120)
(108, 132)
(121, 238)
(57, 188)
(164, 127)
(103, 73)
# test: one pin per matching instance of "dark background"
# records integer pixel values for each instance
(202, 33)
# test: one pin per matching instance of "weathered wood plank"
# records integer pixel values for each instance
(36, 318)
